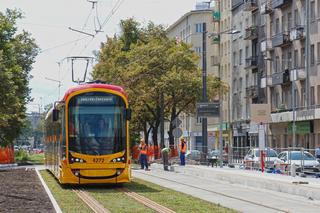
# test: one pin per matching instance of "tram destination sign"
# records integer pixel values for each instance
(95, 100)
(208, 109)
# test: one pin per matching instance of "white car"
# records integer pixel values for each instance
(253, 157)
(296, 157)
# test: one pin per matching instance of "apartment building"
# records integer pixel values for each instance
(247, 70)
(293, 77)
(222, 14)
(273, 63)
(189, 29)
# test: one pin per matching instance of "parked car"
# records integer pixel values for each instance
(252, 157)
(296, 157)
(215, 154)
(194, 155)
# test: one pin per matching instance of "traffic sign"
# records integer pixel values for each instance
(177, 122)
(177, 132)
(208, 109)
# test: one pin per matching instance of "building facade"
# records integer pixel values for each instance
(276, 60)
(189, 29)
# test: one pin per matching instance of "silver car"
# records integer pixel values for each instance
(296, 157)
(252, 158)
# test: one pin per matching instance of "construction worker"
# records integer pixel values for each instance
(183, 149)
(143, 154)
(165, 157)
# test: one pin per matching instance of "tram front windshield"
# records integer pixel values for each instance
(96, 124)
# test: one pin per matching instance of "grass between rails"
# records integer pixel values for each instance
(116, 201)
(66, 198)
(174, 200)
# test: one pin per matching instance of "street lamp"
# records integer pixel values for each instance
(228, 32)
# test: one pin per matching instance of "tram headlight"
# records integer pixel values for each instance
(119, 159)
(73, 159)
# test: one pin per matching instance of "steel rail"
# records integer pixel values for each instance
(147, 202)
(93, 204)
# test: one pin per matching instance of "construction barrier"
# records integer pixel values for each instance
(154, 152)
(6, 155)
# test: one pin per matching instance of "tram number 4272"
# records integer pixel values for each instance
(98, 160)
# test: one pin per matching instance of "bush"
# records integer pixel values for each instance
(21, 156)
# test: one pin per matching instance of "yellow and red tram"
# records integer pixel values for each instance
(87, 136)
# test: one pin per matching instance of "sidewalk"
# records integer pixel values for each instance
(225, 186)
(256, 179)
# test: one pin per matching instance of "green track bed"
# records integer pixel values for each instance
(117, 202)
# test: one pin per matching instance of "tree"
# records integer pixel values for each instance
(17, 54)
(148, 65)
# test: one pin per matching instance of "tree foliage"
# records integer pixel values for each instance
(17, 54)
(149, 65)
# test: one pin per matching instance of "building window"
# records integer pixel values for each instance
(277, 26)
(303, 57)
(296, 58)
(197, 49)
(283, 23)
(199, 120)
(289, 21)
(318, 94)
(212, 61)
(199, 28)
(312, 96)
(318, 8)
(318, 50)
(289, 64)
(240, 57)
(312, 60)
(313, 10)
(277, 64)
(296, 18)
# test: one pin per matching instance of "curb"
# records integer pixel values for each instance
(52, 199)
(8, 166)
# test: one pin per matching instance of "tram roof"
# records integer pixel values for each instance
(94, 85)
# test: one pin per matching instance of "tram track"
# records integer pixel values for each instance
(147, 202)
(221, 194)
(92, 203)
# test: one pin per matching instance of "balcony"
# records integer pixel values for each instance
(281, 78)
(266, 8)
(266, 81)
(280, 3)
(251, 62)
(298, 74)
(280, 40)
(252, 91)
(265, 45)
(297, 33)
(251, 33)
(216, 16)
(250, 5)
(236, 3)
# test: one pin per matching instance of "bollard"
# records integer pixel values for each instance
(293, 170)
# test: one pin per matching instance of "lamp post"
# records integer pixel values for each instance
(204, 88)
(229, 32)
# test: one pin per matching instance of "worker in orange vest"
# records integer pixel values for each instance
(143, 154)
(183, 149)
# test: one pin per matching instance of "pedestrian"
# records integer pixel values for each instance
(165, 157)
(183, 149)
(143, 154)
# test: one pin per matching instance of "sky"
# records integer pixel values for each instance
(49, 21)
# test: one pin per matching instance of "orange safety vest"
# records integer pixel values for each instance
(143, 149)
(183, 147)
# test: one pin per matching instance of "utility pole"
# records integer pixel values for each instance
(162, 121)
(204, 87)
(59, 84)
